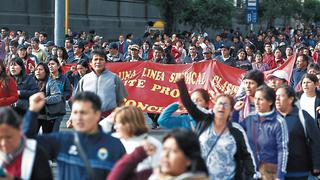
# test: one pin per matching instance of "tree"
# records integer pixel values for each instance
(310, 11)
(202, 14)
(271, 9)
(170, 11)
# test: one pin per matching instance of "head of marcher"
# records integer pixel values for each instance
(98, 61)
(135, 50)
(264, 99)
(129, 122)
(201, 97)
(309, 83)
(241, 55)
(54, 67)
(113, 48)
(13, 46)
(192, 50)
(252, 80)
(268, 48)
(11, 139)
(207, 54)
(289, 51)
(313, 68)
(277, 79)
(83, 67)
(277, 53)
(258, 57)
(158, 53)
(42, 72)
(22, 51)
(223, 107)
(302, 61)
(86, 112)
(225, 51)
(35, 43)
(181, 153)
(78, 48)
(16, 67)
(285, 99)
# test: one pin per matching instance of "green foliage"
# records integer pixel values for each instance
(170, 11)
(202, 14)
(199, 14)
(310, 11)
(271, 9)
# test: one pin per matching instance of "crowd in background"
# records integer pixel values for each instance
(268, 130)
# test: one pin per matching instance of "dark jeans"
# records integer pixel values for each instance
(47, 125)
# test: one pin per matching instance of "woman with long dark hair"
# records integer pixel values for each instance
(28, 63)
(242, 61)
(146, 52)
(8, 88)
(26, 85)
(62, 55)
(63, 83)
(52, 95)
(82, 69)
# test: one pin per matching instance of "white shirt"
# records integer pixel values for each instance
(307, 104)
(132, 143)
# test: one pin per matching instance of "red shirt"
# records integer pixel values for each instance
(176, 54)
(121, 48)
(269, 59)
(14, 169)
(8, 95)
(27, 65)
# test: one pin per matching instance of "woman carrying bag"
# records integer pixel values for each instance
(52, 93)
(224, 145)
(56, 111)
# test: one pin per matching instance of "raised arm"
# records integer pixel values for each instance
(126, 166)
(168, 120)
(191, 107)
(50, 142)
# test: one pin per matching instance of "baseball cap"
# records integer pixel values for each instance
(281, 74)
(135, 46)
(21, 46)
(79, 44)
(224, 46)
(206, 51)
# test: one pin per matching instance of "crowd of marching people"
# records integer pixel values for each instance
(267, 130)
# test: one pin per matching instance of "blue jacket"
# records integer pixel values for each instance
(168, 120)
(268, 139)
(102, 150)
(304, 148)
(64, 85)
(125, 47)
(27, 87)
(296, 76)
(74, 78)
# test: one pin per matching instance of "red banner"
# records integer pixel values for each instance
(151, 86)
